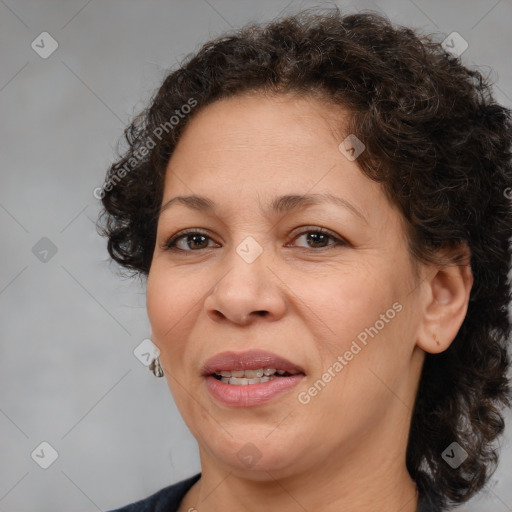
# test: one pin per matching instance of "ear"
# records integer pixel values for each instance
(445, 301)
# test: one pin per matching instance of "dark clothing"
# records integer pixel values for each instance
(169, 498)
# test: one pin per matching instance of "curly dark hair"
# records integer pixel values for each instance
(437, 140)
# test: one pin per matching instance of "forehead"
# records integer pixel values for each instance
(256, 136)
(244, 151)
(273, 120)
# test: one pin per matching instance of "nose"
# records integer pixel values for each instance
(246, 292)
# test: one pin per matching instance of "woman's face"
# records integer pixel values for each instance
(341, 307)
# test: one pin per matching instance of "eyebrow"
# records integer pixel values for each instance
(281, 204)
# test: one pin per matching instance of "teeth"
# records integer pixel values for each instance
(246, 377)
(245, 382)
(250, 374)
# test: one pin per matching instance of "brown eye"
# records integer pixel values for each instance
(318, 238)
(188, 241)
(193, 240)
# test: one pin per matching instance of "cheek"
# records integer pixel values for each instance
(367, 360)
(158, 302)
(368, 357)
(169, 302)
(363, 317)
(344, 302)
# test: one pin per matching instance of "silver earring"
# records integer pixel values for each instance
(156, 368)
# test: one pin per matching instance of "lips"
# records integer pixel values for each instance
(224, 382)
(248, 360)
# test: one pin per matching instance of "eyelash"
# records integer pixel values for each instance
(170, 245)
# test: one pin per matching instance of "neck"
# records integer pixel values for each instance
(353, 486)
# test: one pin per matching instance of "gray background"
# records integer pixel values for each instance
(68, 375)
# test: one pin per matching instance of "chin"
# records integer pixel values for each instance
(254, 457)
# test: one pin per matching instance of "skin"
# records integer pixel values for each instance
(345, 449)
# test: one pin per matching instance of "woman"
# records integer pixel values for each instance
(320, 208)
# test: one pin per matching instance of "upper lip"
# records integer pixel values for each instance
(248, 360)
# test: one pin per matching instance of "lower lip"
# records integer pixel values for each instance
(250, 395)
